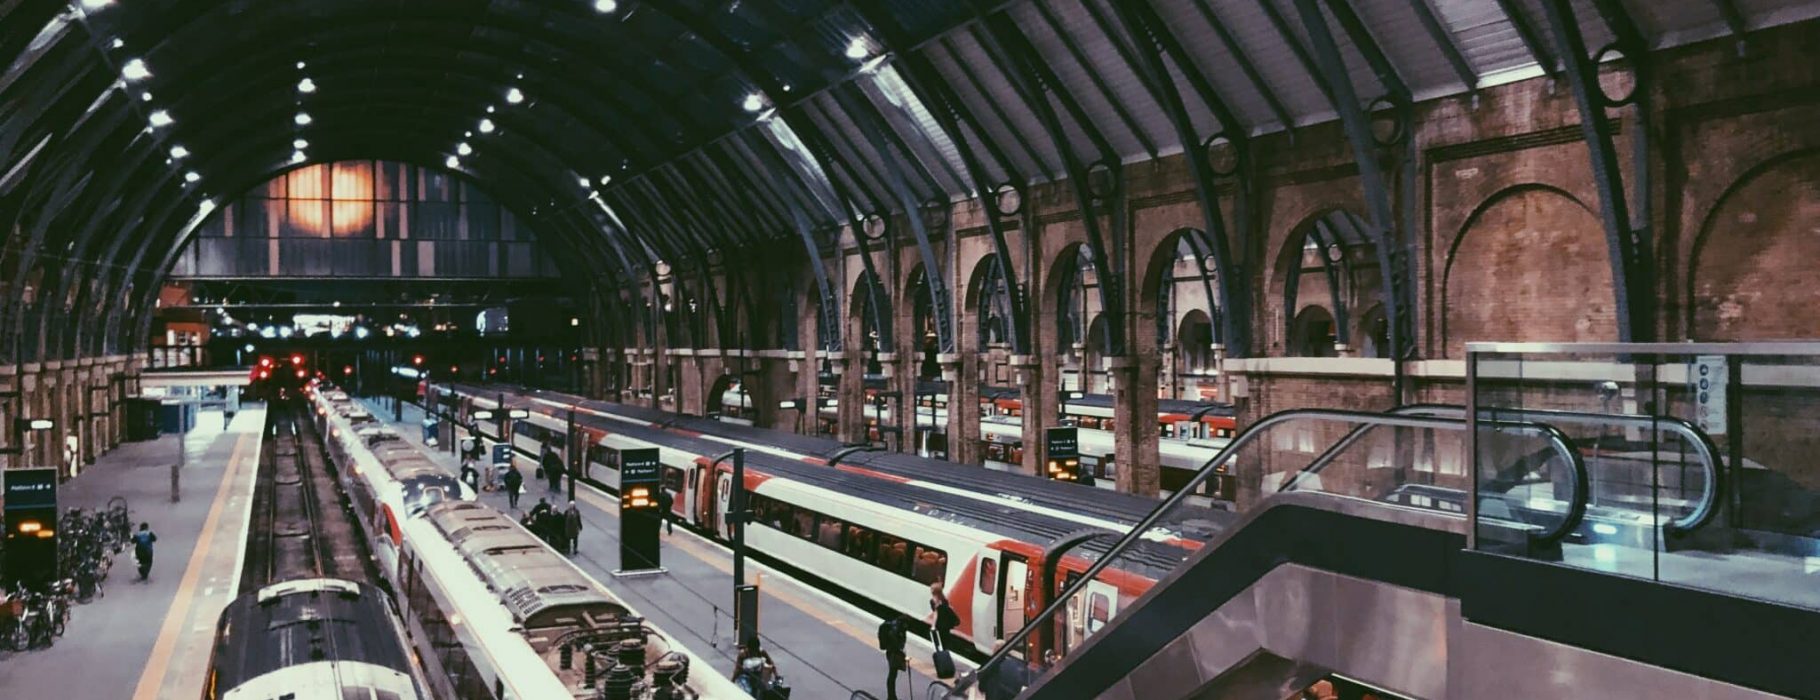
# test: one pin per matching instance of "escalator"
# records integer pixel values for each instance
(1520, 593)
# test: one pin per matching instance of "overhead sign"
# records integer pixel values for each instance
(30, 488)
(1709, 379)
(30, 520)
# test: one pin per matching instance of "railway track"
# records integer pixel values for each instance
(300, 527)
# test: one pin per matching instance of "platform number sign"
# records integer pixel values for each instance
(1709, 380)
(1062, 453)
(31, 524)
(640, 478)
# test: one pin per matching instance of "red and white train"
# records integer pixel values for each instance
(491, 609)
(878, 526)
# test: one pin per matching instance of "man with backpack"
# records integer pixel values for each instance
(142, 549)
(891, 638)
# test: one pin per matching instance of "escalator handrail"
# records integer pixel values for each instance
(1576, 507)
(1704, 509)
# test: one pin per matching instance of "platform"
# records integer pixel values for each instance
(823, 646)
(152, 640)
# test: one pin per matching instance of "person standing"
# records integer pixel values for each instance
(553, 468)
(891, 638)
(571, 523)
(142, 549)
(513, 479)
(665, 505)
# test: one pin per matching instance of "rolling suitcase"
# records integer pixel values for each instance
(944, 662)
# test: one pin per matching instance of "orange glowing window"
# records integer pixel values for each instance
(335, 198)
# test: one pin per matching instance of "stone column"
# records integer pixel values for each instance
(961, 372)
(808, 388)
(1037, 391)
(1134, 422)
(850, 368)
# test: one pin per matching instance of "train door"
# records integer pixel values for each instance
(985, 601)
(723, 490)
(1013, 580)
(704, 506)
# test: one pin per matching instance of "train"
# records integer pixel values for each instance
(877, 527)
(1189, 433)
(492, 610)
(314, 637)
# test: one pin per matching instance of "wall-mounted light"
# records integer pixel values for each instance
(515, 96)
(160, 119)
(179, 152)
(452, 162)
(754, 102)
(606, 6)
(302, 119)
(858, 48)
(463, 149)
(486, 126)
(300, 144)
(306, 86)
(191, 176)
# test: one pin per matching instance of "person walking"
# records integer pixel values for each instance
(942, 618)
(513, 479)
(665, 502)
(142, 549)
(552, 468)
(571, 532)
(891, 638)
(469, 476)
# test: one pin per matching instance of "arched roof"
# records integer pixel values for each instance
(676, 130)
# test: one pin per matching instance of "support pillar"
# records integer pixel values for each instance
(961, 372)
(1134, 423)
(850, 370)
(1038, 395)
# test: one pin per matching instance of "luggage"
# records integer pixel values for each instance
(944, 662)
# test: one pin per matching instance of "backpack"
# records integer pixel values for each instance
(891, 635)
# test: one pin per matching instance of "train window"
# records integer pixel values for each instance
(931, 565)
(988, 575)
(673, 479)
(892, 554)
(828, 534)
(1099, 611)
(859, 543)
(803, 524)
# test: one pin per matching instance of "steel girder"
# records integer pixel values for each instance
(1393, 254)
(1626, 217)
(1150, 33)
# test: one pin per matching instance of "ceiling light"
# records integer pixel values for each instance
(858, 49)
(300, 144)
(489, 109)
(302, 119)
(179, 152)
(119, 44)
(191, 176)
(297, 156)
(135, 70)
(306, 85)
(467, 134)
(604, 179)
(521, 76)
(605, 6)
(300, 65)
(95, 4)
(584, 182)
(145, 97)
(452, 162)
(486, 126)
(754, 102)
(160, 118)
(515, 96)
(464, 149)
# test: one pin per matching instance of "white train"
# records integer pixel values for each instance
(1191, 433)
(877, 527)
(350, 648)
(492, 610)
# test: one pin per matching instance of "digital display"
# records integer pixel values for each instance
(30, 488)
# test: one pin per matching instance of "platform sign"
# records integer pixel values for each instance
(1708, 379)
(640, 478)
(31, 523)
(1062, 453)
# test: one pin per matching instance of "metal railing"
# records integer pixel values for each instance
(1576, 507)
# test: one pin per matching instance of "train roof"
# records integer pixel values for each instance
(540, 587)
(968, 495)
(304, 621)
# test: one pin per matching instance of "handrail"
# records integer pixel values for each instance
(1576, 507)
(1703, 444)
(862, 695)
(844, 452)
(947, 691)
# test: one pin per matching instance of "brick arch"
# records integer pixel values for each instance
(976, 289)
(1538, 269)
(1062, 279)
(1750, 269)
(859, 302)
(1311, 333)
(1161, 260)
(1360, 281)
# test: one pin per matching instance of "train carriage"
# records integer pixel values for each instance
(320, 638)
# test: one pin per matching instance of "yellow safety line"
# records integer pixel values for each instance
(151, 680)
(716, 560)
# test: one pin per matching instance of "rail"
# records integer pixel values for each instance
(939, 691)
(1576, 507)
(1705, 508)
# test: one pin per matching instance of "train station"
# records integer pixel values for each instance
(909, 349)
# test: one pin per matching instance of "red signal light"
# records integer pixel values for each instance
(347, 369)
(265, 362)
(265, 374)
(296, 359)
(417, 359)
(300, 374)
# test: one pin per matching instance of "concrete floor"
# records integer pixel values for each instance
(824, 647)
(152, 640)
